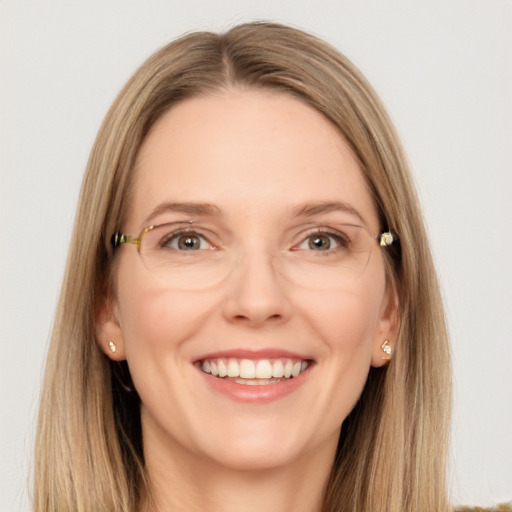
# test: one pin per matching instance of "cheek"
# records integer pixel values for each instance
(157, 325)
(156, 319)
(345, 319)
(160, 335)
(343, 326)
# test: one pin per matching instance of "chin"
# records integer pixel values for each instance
(257, 456)
(264, 445)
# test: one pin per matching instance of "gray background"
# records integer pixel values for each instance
(442, 67)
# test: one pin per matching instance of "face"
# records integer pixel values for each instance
(254, 283)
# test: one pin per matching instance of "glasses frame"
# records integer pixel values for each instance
(384, 239)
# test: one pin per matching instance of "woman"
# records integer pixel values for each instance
(275, 336)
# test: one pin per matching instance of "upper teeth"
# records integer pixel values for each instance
(250, 369)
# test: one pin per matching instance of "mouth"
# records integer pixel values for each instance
(254, 372)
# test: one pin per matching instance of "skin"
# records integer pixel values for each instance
(255, 155)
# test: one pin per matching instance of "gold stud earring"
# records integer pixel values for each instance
(112, 346)
(386, 349)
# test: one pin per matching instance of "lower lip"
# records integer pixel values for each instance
(264, 393)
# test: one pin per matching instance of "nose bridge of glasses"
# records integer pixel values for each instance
(254, 260)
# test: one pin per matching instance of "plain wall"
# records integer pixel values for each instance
(443, 69)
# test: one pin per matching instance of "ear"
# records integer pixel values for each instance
(387, 327)
(109, 335)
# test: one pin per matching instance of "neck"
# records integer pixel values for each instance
(184, 482)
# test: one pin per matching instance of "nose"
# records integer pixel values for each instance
(255, 293)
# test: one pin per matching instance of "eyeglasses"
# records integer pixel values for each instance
(184, 257)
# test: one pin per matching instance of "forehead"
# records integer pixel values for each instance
(251, 151)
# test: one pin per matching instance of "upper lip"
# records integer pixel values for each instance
(268, 353)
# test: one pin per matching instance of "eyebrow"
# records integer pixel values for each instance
(210, 210)
(200, 209)
(312, 210)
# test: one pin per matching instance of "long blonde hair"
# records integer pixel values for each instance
(392, 449)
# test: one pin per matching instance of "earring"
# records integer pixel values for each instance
(386, 349)
(112, 346)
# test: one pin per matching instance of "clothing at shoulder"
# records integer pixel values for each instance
(505, 507)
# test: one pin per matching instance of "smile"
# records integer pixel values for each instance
(254, 372)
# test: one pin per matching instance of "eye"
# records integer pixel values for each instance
(186, 241)
(322, 241)
(319, 242)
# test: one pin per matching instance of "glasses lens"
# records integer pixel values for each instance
(329, 260)
(184, 259)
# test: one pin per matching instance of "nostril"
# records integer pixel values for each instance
(271, 318)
